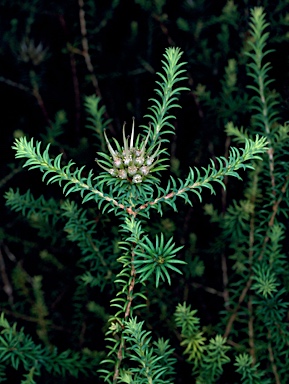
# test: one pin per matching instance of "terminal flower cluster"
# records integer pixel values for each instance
(132, 162)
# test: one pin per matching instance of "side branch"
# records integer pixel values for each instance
(75, 182)
(238, 159)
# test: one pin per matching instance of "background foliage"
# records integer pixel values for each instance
(54, 55)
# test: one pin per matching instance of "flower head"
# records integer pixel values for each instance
(30, 52)
(129, 162)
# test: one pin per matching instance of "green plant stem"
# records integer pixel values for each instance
(127, 313)
(267, 127)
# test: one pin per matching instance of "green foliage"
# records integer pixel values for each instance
(208, 359)
(191, 333)
(172, 68)
(250, 373)
(266, 282)
(96, 118)
(214, 358)
(95, 251)
(124, 193)
(55, 129)
(29, 206)
(156, 258)
(142, 258)
(18, 349)
(106, 244)
(152, 367)
(256, 228)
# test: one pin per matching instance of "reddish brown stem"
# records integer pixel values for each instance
(37, 95)
(32, 319)
(9, 176)
(208, 289)
(251, 331)
(75, 81)
(272, 361)
(85, 47)
(7, 287)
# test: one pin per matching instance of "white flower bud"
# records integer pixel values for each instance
(113, 172)
(117, 162)
(122, 174)
(137, 179)
(132, 170)
(127, 160)
(149, 160)
(144, 170)
(137, 152)
(139, 161)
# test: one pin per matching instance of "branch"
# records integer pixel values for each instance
(85, 47)
(228, 167)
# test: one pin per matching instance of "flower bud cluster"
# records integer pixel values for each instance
(30, 52)
(129, 162)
